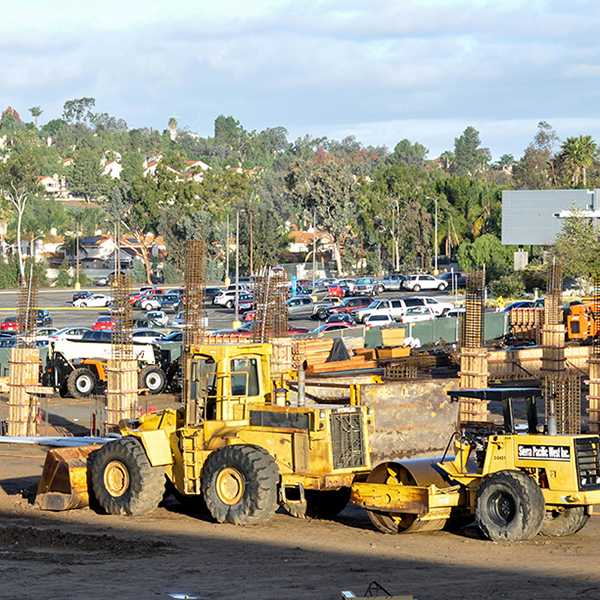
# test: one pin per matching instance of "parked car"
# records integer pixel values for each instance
(81, 294)
(150, 336)
(174, 336)
(169, 302)
(69, 333)
(350, 305)
(337, 289)
(349, 285)
(9, 324)
(416, 314)
(416, 283)
(368, 286)
(103, 323)
(455, 279)
(395, 307)
(300, 307)
(320, 308)
(326, 327)
(455, 312)
(340, 318)
(226, 298)
(246, 303)
(519, 304)
(44, 334)
(322, 285)
(178, 321)
(210, 293)
(393, 282)
(379, 320)
(95, 300)
(157, 316)
(43, 318)
(439, 308)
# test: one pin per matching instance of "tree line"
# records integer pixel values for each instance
(377, 205)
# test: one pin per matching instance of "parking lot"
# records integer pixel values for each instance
(58, 302)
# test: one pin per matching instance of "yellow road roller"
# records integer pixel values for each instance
(514, 480)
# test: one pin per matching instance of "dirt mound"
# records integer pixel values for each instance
(55, 545)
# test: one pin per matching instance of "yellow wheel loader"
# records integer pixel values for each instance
(237, 446)
(516, 482)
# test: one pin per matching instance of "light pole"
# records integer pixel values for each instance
(78, 232)
(227, 281)
(314, 252)
(237, 322)
(435, 239)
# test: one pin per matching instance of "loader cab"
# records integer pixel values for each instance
(224, 380)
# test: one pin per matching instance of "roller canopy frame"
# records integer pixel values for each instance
(506, 397)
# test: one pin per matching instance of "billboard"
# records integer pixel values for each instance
(531, 217)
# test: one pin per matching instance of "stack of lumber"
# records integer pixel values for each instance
(310, 350)
(360, 361)
(392, 337)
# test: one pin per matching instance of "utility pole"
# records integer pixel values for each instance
(227, 281)
(314, 253)
(236, 322)
(435, 239)
(78, 233)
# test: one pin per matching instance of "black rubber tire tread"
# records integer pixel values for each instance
(259, 501)
(146, 483)
(72, 378)
(567, 522)
(326, 504)
(529, 505)
(417, 288)
(152, 369)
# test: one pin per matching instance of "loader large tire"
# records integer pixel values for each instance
(510, 507)
(239, 485)
(123, 480)
(565, 522)
(81, 382)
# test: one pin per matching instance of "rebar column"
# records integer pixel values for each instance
(473, 355)
(24, 363)
(122, 371)
(194, 328)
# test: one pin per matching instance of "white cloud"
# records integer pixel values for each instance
(375, 69)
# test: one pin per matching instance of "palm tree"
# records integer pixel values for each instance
(172, 125)
(35, 111)
(578, 154)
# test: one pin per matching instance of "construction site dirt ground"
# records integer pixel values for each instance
(84, 555)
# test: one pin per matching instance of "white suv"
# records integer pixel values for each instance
(393, 307)
(439, 308)
(416, 283)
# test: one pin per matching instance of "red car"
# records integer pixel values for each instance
(350, 305)
(103, 324)
(9, 324)
(336, 290)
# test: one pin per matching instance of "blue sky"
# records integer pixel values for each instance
(378, 69)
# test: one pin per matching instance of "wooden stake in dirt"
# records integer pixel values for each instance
(122, 371)
(24, 362)
(473, 355)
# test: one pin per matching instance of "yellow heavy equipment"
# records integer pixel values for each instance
(237, 446)
(515, 481)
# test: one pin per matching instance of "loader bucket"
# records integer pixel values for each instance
(64, 482)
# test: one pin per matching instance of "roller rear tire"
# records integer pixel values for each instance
(564, 522)
(510, 507)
